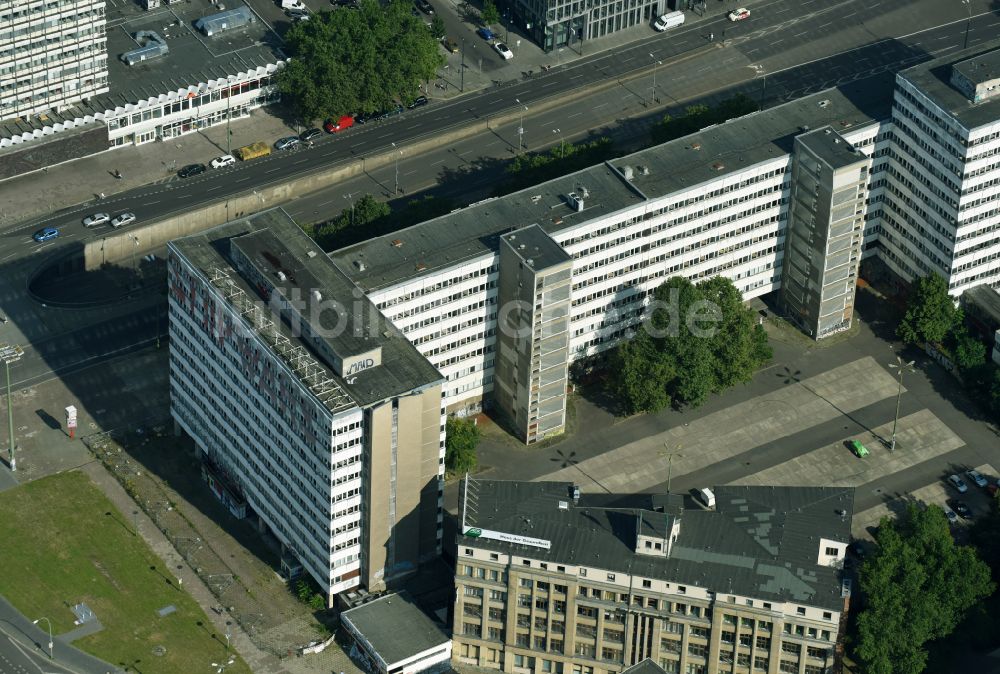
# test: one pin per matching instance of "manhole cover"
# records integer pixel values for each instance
(159, 651)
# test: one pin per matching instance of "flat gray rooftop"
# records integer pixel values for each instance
(760, 542)
(395, 627)
(726, 148)
(536, 248)
(831, 147)
(934, 79)
(981, 69)
(349, 322)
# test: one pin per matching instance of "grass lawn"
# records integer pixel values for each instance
(60, 548)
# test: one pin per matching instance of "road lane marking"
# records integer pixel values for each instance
(575, 114)
(150, 203)
(274, 170)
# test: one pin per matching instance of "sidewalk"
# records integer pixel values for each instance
(29, 197)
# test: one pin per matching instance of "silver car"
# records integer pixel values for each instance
(976, 477)
(287, 143)
(958, 483)
(96, 219)
(123, 219)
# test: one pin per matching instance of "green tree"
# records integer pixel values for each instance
(364, 216)
(918, 586)
(930, 312)
(642, 375)
(461, 440)
(697, 117)
(968, 351)
(490, 14)
(358, 61)
(695, 340)
(437, 27)
(985, 535)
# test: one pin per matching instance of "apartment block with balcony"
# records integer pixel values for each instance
(306, 403)
(551, 584)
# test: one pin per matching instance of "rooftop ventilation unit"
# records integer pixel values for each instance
(360, 265)
(151, 46)
(643, 170)
(397, 243)
(223, 21)
(627, 172)
(575, 201)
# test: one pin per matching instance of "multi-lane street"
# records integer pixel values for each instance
(784, 50)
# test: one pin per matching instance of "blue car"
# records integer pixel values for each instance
(45, 234)
(485, 33)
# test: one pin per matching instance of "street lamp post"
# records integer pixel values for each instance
(35, 622)
(520, 125)
(968, 21)
(221, 666)
(652, 90)
(562, 145)
(229, 633)
(396, 153)
(670, 454)
(10, 354)
(462, 85)
(901, 366)
(350, 195)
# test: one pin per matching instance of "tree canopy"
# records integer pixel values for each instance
(930, 312)
(462, 439)
(695, 340)
(358, 61)
(918, 586)
(490, 14)
(697, 117)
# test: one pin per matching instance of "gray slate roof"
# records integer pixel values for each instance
(395, 627)
(759, 542)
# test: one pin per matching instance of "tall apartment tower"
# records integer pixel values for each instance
(53, 53)
(826, 219)
(533, 332)
(305, 405)
(939, 214)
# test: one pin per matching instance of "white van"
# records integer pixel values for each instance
(707, 497)
(669, 20)
(293, 4)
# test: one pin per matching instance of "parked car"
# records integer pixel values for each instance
(293, 4)
(977, 477)
(123, 219)
(350, 4)
(224, 160)
(503, 50)
(96, 219)
(295, 14)
(950, 514)
(450, 45)
(960, 507)
(958, 483)
(301, 17)
(424, 6)
(739, 14)
(418, 102)
(309, 134)
(485, 33)
(993, 487)
(45, 234)
(191, 170)
(859, 450)
(344, 122)
(287, 143)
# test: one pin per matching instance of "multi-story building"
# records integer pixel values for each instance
(818, 183)
(549, 582)
(52, 54)
(165, 71)
(555, 24)
(941, 208)
(303, 401)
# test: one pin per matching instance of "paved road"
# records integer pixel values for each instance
(24, 649)
(781, 27)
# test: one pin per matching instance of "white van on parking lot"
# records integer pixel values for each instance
(669, 20)
(707, 497)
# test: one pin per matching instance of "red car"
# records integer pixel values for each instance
(345, 122)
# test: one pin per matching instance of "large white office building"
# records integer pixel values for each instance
(53, 54)
(325, 424)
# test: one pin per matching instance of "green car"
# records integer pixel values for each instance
(859, 450)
